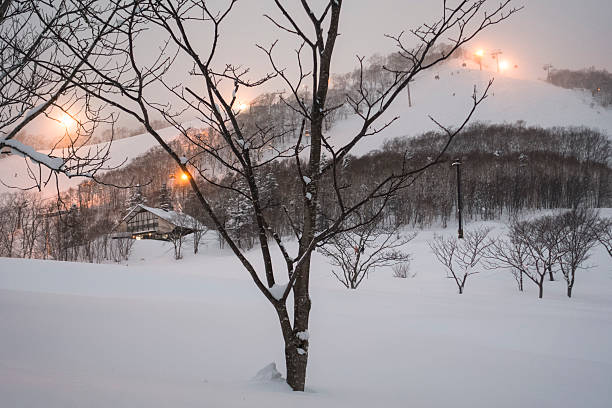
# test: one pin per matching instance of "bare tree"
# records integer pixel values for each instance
(177, 238)
(199, 230)
(539, 261)
(549, 233)
(360, 251)
(244, 150)
(511, 254)
(31, 225)
(604, 234)
(12, 208)
(461, 256)
(45, 47)
(579, 236)
(120, 249)
(534, 249)
(402, 270)
(537, 247)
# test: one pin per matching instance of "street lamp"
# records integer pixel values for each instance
(457, 163)
(184, 182)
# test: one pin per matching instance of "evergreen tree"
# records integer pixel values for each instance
(136, 198)
(164, 199)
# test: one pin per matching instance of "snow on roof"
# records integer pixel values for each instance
(177, 219)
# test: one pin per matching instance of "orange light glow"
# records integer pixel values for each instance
(243, 106)
(503, 65)
(479, 53)
(67, 121)
(184, 177)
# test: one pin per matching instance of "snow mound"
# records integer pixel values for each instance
(268, 374)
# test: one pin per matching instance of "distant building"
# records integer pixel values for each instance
(144, 222)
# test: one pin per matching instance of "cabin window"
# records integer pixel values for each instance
(142, 222)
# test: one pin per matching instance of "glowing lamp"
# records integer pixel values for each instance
(67, 121)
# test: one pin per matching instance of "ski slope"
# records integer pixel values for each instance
(447, 99)
(160, 333)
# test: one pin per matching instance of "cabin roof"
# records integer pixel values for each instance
(177, 219)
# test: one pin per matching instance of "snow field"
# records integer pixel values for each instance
(193, 333)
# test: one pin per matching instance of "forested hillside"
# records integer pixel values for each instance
(506, 169)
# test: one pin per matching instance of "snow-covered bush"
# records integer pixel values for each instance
(402, 270)
(364, 247)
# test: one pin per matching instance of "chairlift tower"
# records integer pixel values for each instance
(495, 55)
(547, 68)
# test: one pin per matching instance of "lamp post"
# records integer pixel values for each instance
(495, 54)
(479, 54)
(457, 163)
(184, 182)
(179, 181)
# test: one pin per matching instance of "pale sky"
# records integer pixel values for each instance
(567, 33)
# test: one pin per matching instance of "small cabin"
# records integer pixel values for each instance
(144, 222)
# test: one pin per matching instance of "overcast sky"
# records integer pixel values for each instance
(567, 33)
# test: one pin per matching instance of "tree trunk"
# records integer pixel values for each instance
(541, 287)
(462, 285)
(570, 283)
(521, 280)
(550, 274)
(296, 366)
(296, 349)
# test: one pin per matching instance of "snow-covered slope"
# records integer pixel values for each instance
(193, 333)
(447, 99)
(14, 169)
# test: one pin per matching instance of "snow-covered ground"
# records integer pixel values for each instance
(192, 333)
